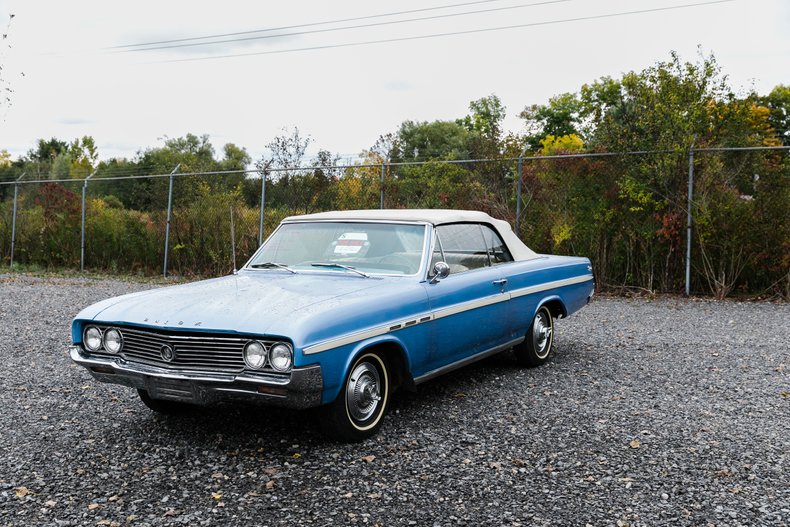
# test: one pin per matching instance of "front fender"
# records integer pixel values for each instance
(336, 363)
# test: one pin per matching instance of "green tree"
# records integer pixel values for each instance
(560, 117)
(61, 166)
(84, 156)
(39, 161)
(665, 107)
(235, 158)
(46, 150)
(192, 153)
(484, 124)
(778, 103)
(486, 117)
(422, 141)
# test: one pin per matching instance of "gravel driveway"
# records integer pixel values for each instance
(662, 412)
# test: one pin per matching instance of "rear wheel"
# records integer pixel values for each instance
(164, 407)
(358, 411)
(539, 341)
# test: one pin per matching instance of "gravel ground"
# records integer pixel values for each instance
(652, 412)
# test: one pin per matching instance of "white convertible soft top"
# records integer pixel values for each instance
(432, 216)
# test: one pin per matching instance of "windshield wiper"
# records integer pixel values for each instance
(340, 266)
(269, 265)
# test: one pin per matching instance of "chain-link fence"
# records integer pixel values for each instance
(631, 213)
(740, 208)
(46, 223)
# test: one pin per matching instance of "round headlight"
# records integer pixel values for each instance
(254, 355)
(280, 357)
(92, 338)
(113, 340)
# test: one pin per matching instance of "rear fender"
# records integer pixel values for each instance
(555, 305)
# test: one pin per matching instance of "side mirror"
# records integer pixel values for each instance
(440, 270)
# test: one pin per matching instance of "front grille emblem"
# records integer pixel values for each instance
(167, 353)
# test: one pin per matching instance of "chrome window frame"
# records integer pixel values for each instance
(435, 237)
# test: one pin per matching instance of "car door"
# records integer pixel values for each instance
(469, 307)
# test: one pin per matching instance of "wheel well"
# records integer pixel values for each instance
(556, 308)
(396, 360)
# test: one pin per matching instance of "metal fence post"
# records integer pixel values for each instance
(381, 189)
(82, 228)
(233, 239)
(13, 217)
(169, 213)
(263, 206)
(518, 193)
(688, 221)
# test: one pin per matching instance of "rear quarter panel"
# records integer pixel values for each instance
(533, 283)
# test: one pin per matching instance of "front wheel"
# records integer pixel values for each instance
(539, 341)
(357, 412)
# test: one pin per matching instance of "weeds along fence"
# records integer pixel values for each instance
(706, 221)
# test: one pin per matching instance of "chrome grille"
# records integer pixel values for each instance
(195, 351)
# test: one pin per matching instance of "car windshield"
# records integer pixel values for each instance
(353, 247)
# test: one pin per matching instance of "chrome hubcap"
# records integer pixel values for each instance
(362, 392)
(541, 334)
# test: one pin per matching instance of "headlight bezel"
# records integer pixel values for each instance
(85, 339)
(264, 354)
(289, 354)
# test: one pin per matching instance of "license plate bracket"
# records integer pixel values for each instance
(171, 390)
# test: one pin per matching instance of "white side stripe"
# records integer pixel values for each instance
(347, 339)
(470, 305)
(550, 285)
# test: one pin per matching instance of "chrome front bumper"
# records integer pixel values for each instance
(302, 389)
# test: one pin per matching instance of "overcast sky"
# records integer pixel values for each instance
(67, 81)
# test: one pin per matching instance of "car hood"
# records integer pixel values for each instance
(249, 302)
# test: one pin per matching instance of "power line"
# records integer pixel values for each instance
(452, 33)
(343, 28)
(296, 26)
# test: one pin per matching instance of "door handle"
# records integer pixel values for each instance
(501, 281)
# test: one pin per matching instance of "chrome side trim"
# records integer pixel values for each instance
(468, 360)
(550, 285)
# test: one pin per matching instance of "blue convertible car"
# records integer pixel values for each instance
(337, 310)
